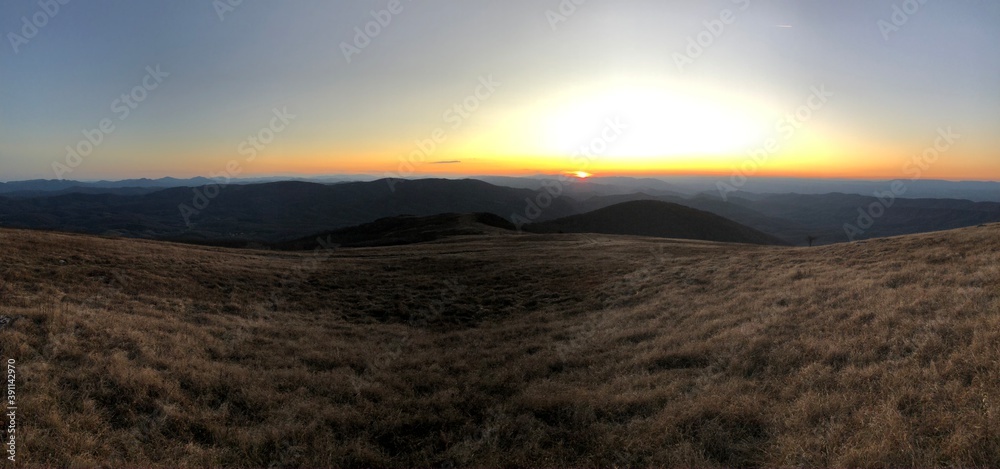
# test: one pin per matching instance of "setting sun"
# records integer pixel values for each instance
(582, 174)
(661, 121)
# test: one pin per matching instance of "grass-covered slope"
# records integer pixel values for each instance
(398, 231)
(553, 350)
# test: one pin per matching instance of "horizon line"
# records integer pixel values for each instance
(377, 177)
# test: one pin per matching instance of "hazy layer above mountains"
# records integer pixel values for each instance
(976, 191)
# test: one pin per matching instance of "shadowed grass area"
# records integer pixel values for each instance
(555, 350)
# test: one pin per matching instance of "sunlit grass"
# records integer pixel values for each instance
(521, 350)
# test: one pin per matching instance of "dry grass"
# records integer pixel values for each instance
(516, 351)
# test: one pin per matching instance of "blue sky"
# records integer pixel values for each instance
(228, 75)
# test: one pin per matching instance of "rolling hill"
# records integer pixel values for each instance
(795, 217)
(396, 231)
(657, 219)
(559, 350)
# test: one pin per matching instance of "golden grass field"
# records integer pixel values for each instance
(543, 351)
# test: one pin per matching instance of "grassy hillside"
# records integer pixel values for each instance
(397, 231)
(659, 219)
(552, 350)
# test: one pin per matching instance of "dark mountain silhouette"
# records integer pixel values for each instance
(680, 186)
(42, 186)
(28, 194)
(825, 216)
(396, 231)
(659, 219)
(796, 217)
(280, 211)
(785, 229)
(265, 212)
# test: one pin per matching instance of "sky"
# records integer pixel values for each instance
(862, 89)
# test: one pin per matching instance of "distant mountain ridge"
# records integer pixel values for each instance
(658, 219)
(282, 211)
(57, 185)
(48, 187)
(264, 212)
(678, 186)
(828, 216)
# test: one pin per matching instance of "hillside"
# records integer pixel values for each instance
(549, 350)
(657, 219)
(396, 231)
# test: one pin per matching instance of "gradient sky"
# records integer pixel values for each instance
(558, 87)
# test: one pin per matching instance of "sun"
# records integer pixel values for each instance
(581, 174)
(659, 122)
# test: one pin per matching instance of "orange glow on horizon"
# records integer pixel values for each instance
(778, 167)
(644, 126)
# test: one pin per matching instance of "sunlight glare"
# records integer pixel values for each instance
(660, 123)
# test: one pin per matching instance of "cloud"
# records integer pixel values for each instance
(446, 162)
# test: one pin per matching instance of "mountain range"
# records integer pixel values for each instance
(281, 212)
(684, 186)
